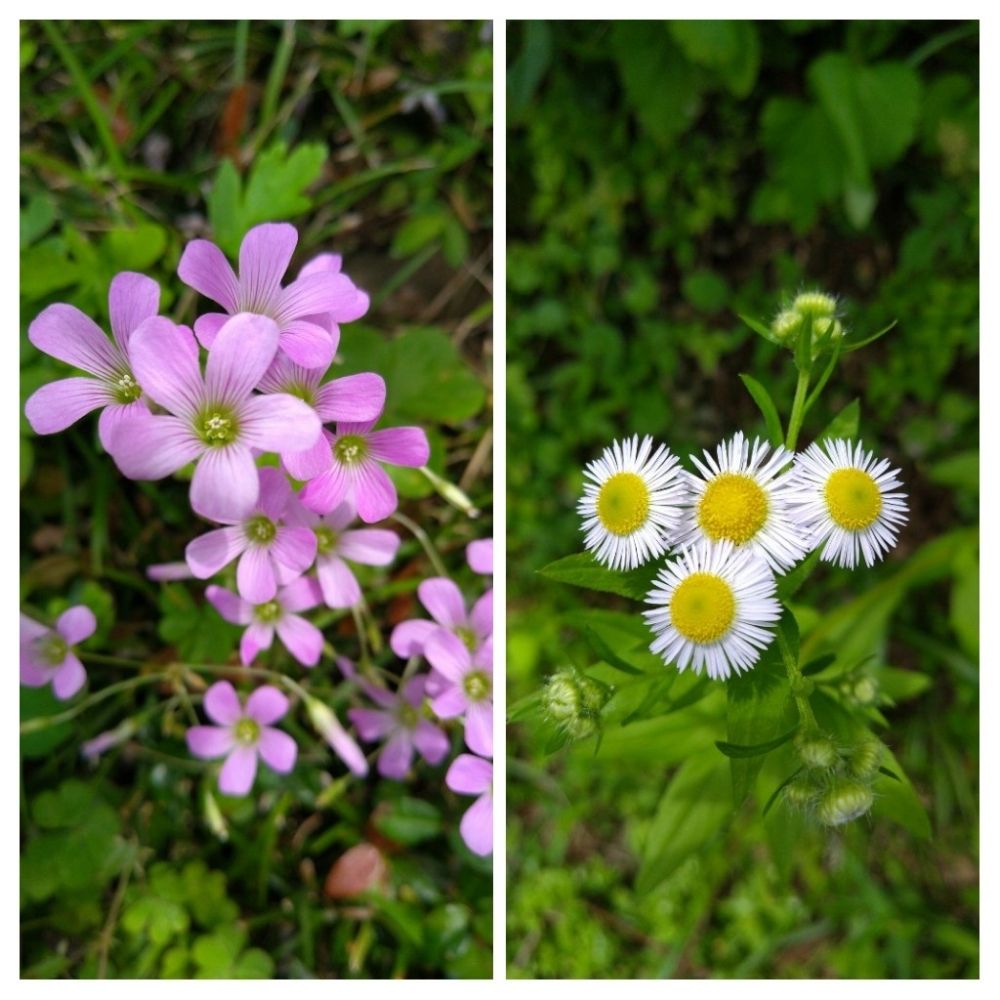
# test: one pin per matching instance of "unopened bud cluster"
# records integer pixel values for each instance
(574, 701)
(815, 308)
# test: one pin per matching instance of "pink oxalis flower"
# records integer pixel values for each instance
(264, 542)
(465, 688)
(301, 311)
(300, 637)
(400, 723)
(242, 733)
(214, 418)
(470, 775)
(446, 606)
(47, 655)
(67, 334)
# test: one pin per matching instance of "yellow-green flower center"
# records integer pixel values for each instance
(247, 732)
(703, 608)
(733, 508)
(467, 636)
(301, 391)
(326, 539)
(478, 685)
(217, 426)
(853, 499)
(350, 449)
(53, 649)
(407, 715)
(260, 529)
(269, 612)
(125, 388)
(623, 503)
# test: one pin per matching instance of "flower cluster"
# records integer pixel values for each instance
(284, 460)
(744, 516)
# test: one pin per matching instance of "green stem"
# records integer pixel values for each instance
(795, 679)
(45, 722)
(798, 409)
(421, 536)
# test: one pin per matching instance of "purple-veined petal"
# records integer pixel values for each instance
(369, 546)
(479, 728)
(265, 253)
(255, 577)
(279, 422)
(242, 352)
(56, 406)
(222, 704)
(311, 462)
(301, 594)
(68, 678)
(322, 263)
(256, 637)
(207, 327)
(481, 616)
(483, 656)
(233, 608)
(238, 772)
(67, 334)
(374, 492)
(266, 705)
(203, 267)
(408, 638)
(307, 344)
(312, 295)
(324, 492)
(132, 299)
(469, 775)
(448, 655)
(294, 548)
(209, 742)
(151, 447)
(164, 358)
(477, 826)
(225, 483)
(208, 553)
(352, 306)
(450, 703)
(76, 624)
(444, 601)
(480, 556)
(371, 723)
(431, 742)
(339, 585)
(277, 749)
(352, 398)
(400, 446)
(301, 638)
(396, 756)
(275, 492)
(113, 416)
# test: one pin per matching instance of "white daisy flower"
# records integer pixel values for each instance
(741, 497)
(843, 497)
(713, 607)
(632, 503)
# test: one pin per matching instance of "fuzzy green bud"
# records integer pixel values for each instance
(574, 701)
(865, 759)
(801, 794)
(816, 751)
(814, 306)
(865, 691)
(846, 799)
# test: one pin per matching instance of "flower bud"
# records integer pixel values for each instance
(574, 701)
(819, 305)
(801, 794)
(814, 306)
(844, 800)
(865, 759)
(816, 751)
(328, 726)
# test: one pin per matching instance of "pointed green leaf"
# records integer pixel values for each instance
(844, 424)
(739, 750)
(767, 408)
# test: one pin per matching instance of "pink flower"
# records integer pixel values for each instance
(353, 302)
(168, 572)
(47, 654)
(302, 311)
(446, 605)
(65, 333)
(214, 418)
(470, 775)
(335, 547)
(241, 734)
(328, 726)
(466, 687)
(352, 470)
(480, 556)
(264, 542)
(301, 638)
(399, 722)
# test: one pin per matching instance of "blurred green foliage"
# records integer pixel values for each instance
(136, 137)
(664, 178)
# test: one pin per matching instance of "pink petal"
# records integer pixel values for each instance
(265, 253)
(30, 629)
(396, 756)
(483, 656)
(400, 446)
(432, 743)
(234, 609)
(302, 594)
(442, 598)
(68, 678)
(374, 492)
(209, 742)
(314, 294)
(266, 705)
(477, 826)
(370, 723)
(165, 361)
(370, 546)
(203, 267)
(207, 327)
(348, 751)
(33, 673)
(480, 556)
(322, 263)
(277, 749)
(208, 553)
(241, 353)
(294, 548)
(132, 298)
(353, 305)
(238, 772)
(76, 624)
(225, 483)
(339, 585)
(312, 462)
(481, 617)
(324, 492)
(67, 334)
(341, 516)
(448, 655)
(151, 447)
(414, 690)
(469, 775)
(278, 422)
(114, 415)
(255, 638)
(353, 398)
(222, 704)
(301, 638)
(255, 577)
(275, 492)
(168, 572)
(479, 728)
(56, 406)
(450, 703)
(307, 344)
(408, 638)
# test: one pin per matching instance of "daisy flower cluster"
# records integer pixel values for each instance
(732, 525)
(288, 467)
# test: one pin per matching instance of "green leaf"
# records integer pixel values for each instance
(410, 821)
(762, 329)
(858, 344)
(819, 664)
(199, 632)
(607, 654)
(767, 408)
(583, 570)
(789, 584)
(844, 424)
(964, 606)
(528, 68)
(39, 703)
(898, 801)
(736, 750)
(37, 218)
(705, 290)
(959, 471)
(729, 48)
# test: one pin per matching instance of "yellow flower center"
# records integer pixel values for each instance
(703, 608)
(623, 503)
(853, 499)
(733, 508)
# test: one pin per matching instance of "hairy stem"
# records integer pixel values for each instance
(796, 680)
(798, 410)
